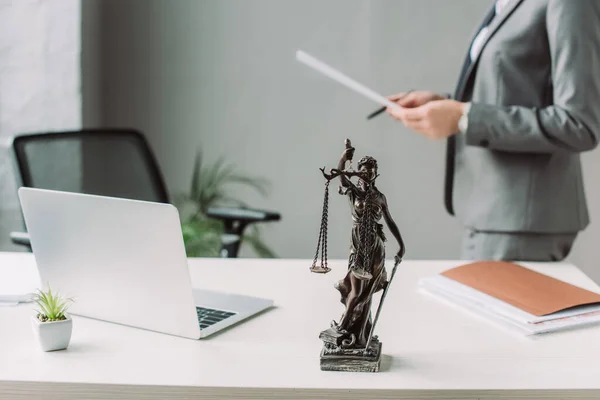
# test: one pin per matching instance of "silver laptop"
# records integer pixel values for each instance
(124, 261)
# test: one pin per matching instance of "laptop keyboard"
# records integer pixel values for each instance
(208, 316)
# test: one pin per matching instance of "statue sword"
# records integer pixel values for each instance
(396, 262)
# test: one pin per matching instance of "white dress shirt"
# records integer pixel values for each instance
(481, 36)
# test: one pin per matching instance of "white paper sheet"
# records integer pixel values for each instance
(494, 305)
(507, 315)
(19, 278)
(339, 77)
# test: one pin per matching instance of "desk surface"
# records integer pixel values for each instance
(431, 349)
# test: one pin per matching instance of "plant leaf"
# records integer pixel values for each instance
(202, 236)
(258, 246)
(195, 186)
(258, 184)
(51, 305)
(209, 188)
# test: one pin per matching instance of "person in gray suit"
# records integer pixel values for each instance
(526, 106)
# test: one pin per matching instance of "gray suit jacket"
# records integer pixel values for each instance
(535, 93)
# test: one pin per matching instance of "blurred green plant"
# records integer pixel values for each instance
(52, 307)
(209, 188)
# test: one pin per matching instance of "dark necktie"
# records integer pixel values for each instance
(451, 144)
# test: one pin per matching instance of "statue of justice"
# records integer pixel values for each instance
(349, 344)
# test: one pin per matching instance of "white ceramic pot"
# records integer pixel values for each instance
(54, 335)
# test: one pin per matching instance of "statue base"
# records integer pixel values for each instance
(355, 359)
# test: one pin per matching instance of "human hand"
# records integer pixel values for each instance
(437, 119)
(349, 151)
(397, 259)
(415, 99)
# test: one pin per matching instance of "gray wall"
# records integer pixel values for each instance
(39, 84)
(221, 75)
(585, 251)
(91, 74)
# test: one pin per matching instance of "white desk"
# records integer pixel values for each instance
(431, 350)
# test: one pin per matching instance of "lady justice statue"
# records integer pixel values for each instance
(349, 345)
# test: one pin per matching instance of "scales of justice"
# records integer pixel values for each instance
(349, 344)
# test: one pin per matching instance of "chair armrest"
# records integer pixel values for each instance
(20, 238)
(243, 215)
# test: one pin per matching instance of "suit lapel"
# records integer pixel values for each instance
(465, 75)
(493, 28)
(467, 62)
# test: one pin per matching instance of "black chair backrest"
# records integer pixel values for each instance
(106, 162)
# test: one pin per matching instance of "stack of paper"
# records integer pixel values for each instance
(19, 278)
(516, 297)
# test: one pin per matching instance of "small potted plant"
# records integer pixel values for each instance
(52, 326)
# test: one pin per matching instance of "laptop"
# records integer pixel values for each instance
(124, 261)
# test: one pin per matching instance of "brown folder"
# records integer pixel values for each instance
(535, 293)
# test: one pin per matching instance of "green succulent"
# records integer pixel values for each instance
(52, 307)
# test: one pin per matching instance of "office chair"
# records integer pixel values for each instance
(108, 162)
(235, 220)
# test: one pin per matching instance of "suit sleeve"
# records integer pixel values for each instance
(572, 123)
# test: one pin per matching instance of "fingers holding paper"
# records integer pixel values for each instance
(412, 99)
(435, 119)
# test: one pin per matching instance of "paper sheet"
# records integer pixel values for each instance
(504, 314)
(494, 305)
(530, 291)
(339, 77)
(19, 278)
